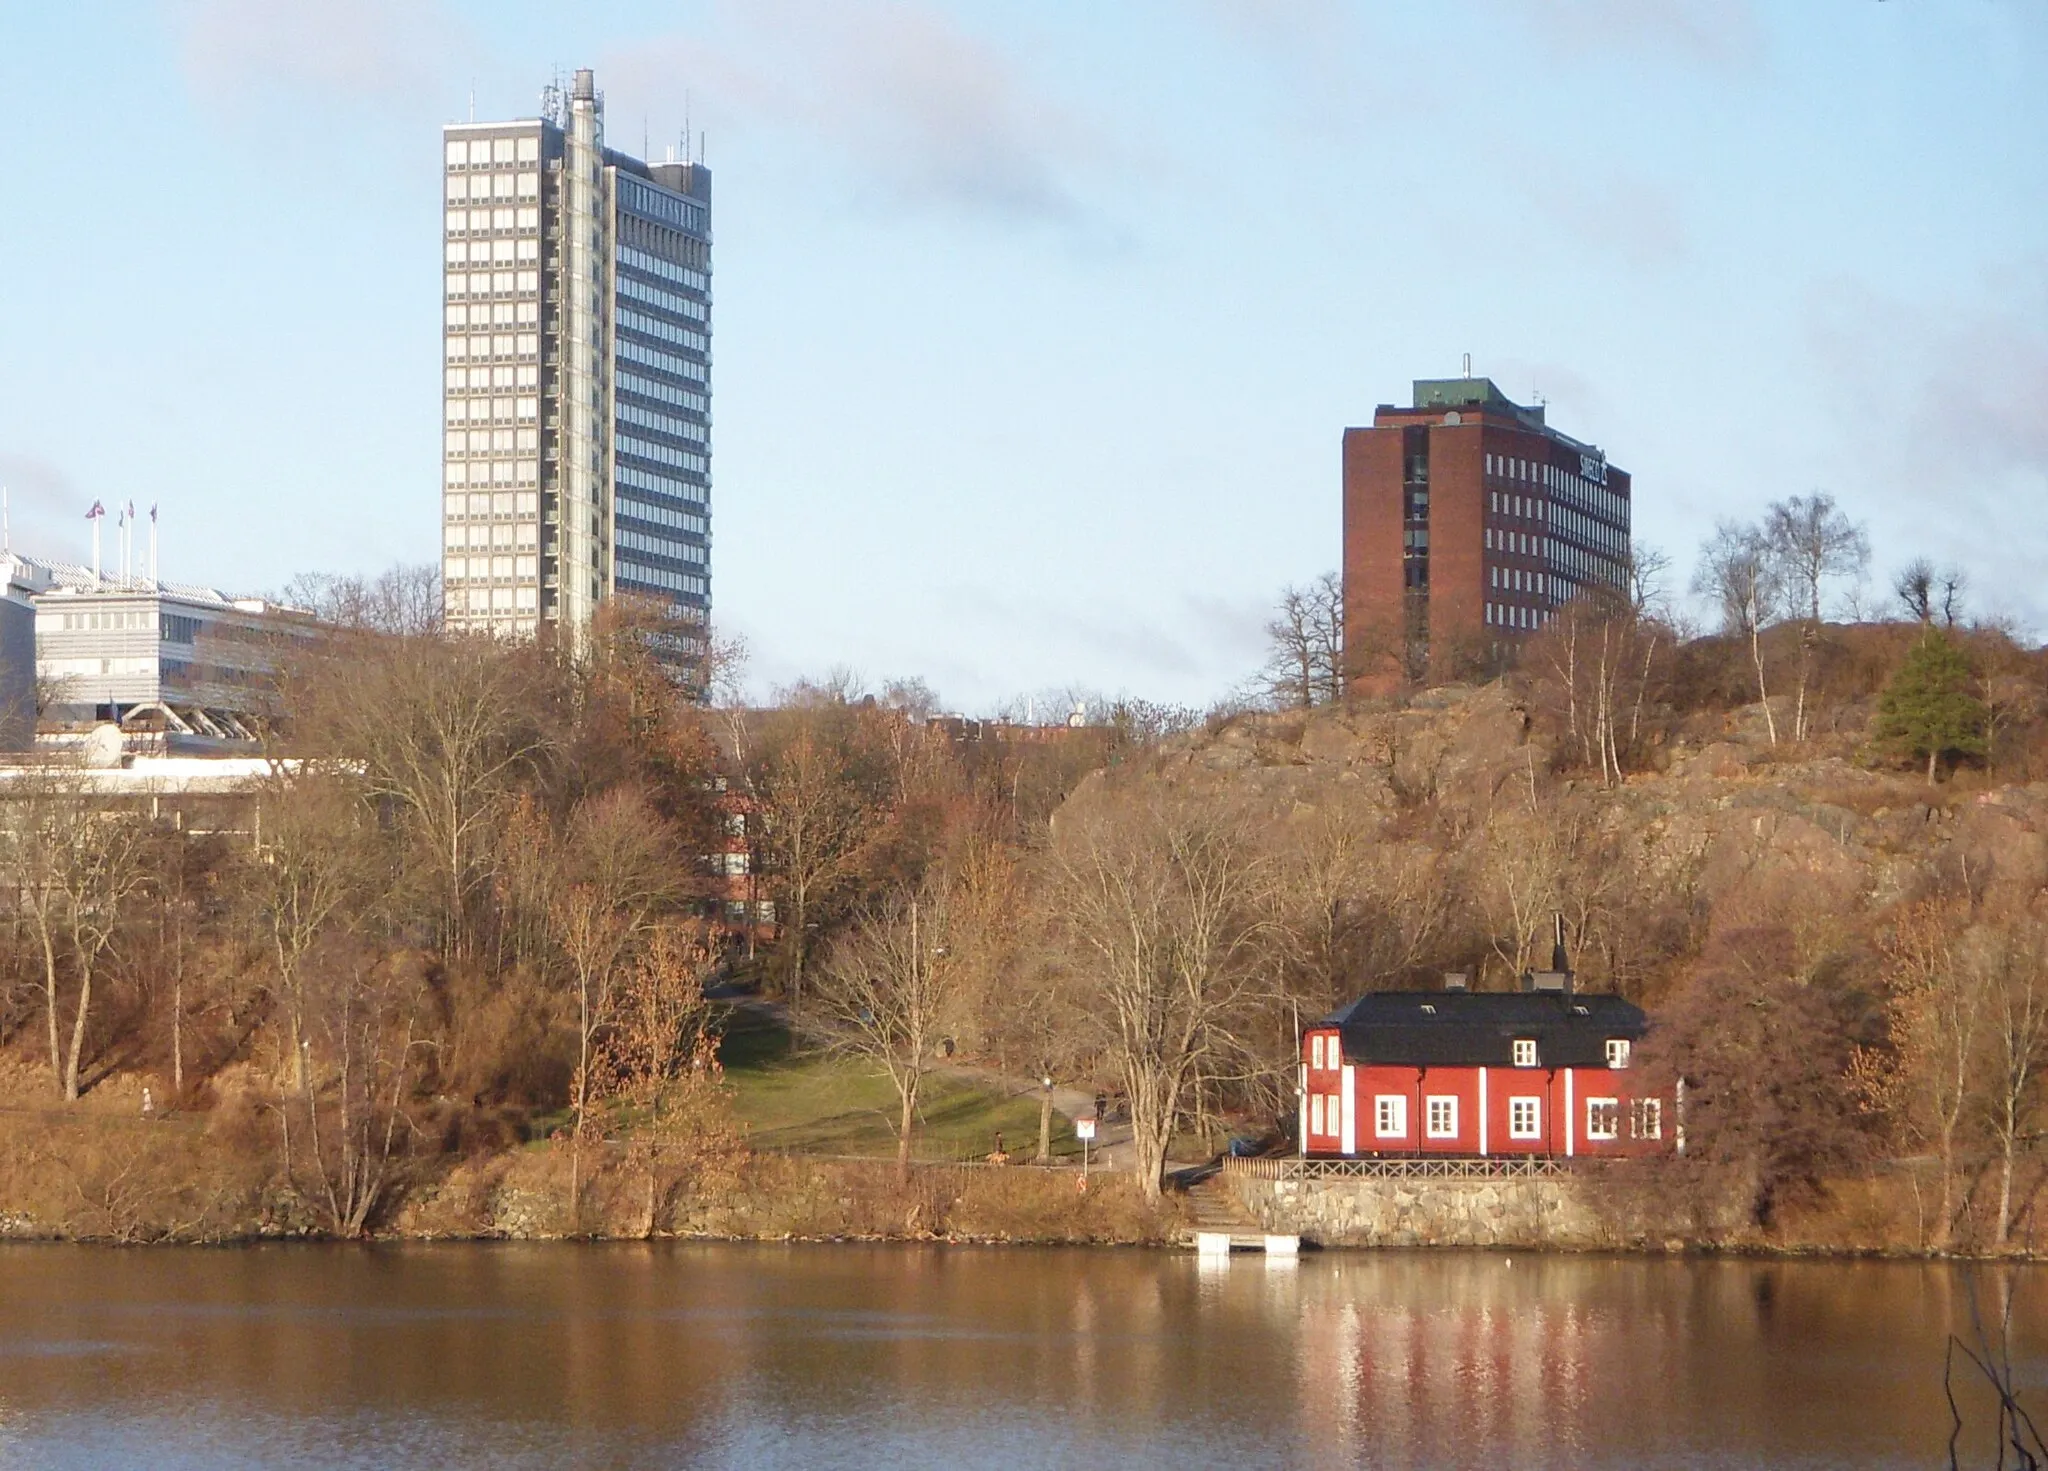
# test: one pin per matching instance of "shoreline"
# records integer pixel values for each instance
(10, 1235)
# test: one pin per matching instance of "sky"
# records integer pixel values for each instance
(1037, 326)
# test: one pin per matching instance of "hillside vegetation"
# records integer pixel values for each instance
(465, 980)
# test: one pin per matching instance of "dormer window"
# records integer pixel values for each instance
(1525, 1052)
(1617, 1052)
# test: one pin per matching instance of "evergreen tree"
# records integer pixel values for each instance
(1929, 710)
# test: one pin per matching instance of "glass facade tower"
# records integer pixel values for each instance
(577, 401)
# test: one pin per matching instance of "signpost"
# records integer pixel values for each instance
(1084, 1130)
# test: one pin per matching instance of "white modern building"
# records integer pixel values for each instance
(577, 405)
(189, 662)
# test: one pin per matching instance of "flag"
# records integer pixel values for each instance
(96, 512)
(152, 513)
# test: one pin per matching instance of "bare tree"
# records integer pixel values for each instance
(1935, 1012)
(658, 1054)
(1954, 582)
(303, 881)
(1305, 646)
(1648, 566)
(1812, 543)
(78, 869)
(1924, 590)
(2014, 961)
(885, 990)
(1161, 902)
(1600, 655)
(402, 601)
(1737, 571)
(1913, 585)
(814, 821)
(363, 1012)
(438, 726)
(618, 855)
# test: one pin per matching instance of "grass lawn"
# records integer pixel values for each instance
(816, 1104)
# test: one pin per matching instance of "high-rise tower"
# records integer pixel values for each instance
(577, 398)
(1468, 522)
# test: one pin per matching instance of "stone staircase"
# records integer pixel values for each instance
(1219, 1213)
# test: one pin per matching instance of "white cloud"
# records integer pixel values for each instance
(917, 107)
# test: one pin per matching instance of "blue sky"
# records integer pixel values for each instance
(1037, 326)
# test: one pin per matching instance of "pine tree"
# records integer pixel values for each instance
(1928, 710)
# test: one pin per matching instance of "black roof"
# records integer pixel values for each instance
(1480, 1028)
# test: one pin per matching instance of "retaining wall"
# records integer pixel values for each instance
(1545, 1212)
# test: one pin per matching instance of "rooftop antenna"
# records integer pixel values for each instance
(1468, 365)
(6, 524)
(646, 148)
(686, 127)
(472, 101)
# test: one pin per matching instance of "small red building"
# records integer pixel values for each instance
(1541, 1071)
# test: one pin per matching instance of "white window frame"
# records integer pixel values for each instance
(1390, 1116)
(1315, 1051)
(1315, 1114)
(1603, 1119)
(1447, 1103)
(1617, 1052)
(1525, 1052)
(1525, 1118)
(1646, 1118)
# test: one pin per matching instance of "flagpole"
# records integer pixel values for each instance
(152, 546)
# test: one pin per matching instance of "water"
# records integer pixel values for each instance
(601, 1356)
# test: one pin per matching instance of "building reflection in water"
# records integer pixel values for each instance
(532, 1355)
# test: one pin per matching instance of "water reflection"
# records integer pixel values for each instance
(716, 1355)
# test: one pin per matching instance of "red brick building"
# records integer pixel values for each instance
(1468, 521)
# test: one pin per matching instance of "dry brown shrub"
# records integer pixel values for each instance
(508, 1039)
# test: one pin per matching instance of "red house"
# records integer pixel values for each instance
(1541, 1071)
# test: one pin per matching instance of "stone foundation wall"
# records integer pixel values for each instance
(1387, 1212)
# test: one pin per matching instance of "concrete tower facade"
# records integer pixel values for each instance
(577, 373)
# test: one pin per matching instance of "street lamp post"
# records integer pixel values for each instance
(1045, 1122)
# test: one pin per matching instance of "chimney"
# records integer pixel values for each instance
(1457, 980)
(1558, 979)
(584, 88)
